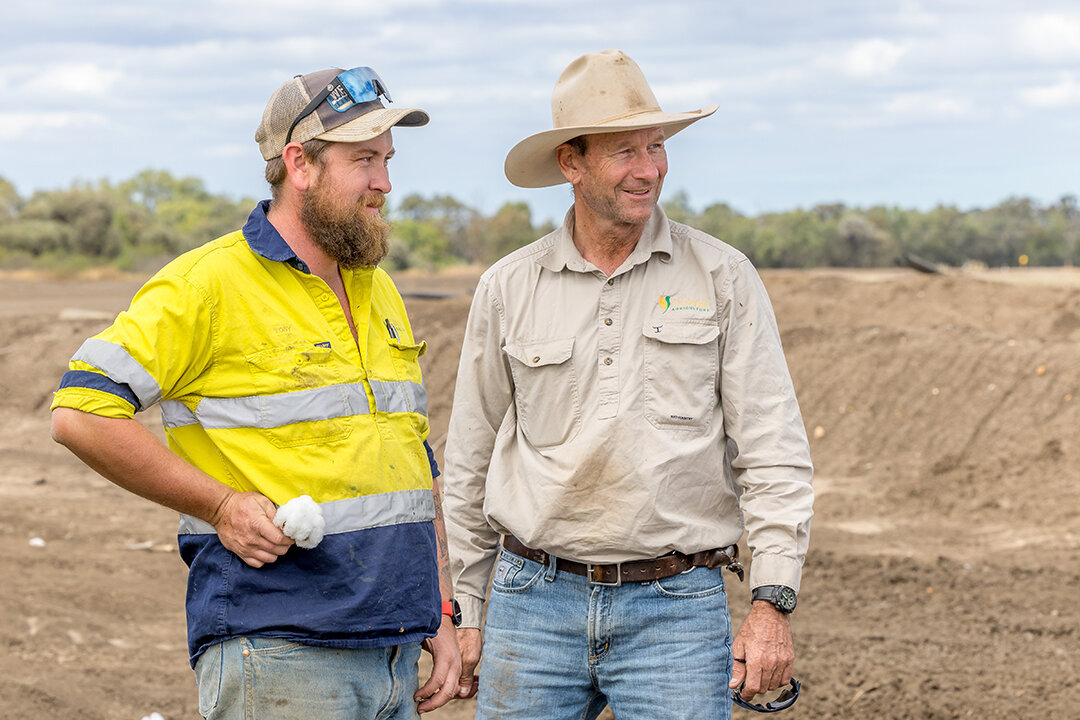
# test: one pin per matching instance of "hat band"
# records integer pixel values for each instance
(614, 118)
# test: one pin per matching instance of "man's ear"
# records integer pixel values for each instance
(300, 170)
(569, 162)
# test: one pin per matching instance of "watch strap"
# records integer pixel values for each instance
(780, 597)
(451, 609)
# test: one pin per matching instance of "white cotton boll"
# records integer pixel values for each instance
(153, 716)
(301, 519)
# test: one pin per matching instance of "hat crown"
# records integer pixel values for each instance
(360, 121)
(597, 93)
(599, 87)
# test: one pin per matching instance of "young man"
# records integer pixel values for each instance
(285, 366)
(622, 402)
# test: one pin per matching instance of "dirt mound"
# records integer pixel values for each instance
(943, 412)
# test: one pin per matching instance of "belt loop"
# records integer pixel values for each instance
(552, 562)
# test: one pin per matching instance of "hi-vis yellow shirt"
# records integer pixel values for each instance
(262, 386)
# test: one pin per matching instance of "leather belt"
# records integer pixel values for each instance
(633, 570)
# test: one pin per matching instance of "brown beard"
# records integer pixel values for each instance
(353, 238)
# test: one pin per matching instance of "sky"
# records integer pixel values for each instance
(894, 102)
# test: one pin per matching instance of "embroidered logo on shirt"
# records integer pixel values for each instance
(668, 302)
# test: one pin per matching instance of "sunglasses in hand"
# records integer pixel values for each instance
(783, 701)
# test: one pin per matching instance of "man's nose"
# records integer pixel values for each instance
(646, 167)
(380, 180)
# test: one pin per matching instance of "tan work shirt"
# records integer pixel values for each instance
(605, 419)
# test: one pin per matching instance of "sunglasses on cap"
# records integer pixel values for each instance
(360, 84)
(785, 700)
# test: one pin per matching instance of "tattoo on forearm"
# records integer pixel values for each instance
(443, 550)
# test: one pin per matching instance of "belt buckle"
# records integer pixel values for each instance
(593, 581)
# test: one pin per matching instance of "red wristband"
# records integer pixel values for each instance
(451, 609)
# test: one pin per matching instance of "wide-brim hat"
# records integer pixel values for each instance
(362, 121)
(597, 93)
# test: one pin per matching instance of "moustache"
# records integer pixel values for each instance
(375, 200)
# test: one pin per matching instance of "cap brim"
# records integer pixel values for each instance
(374, 124)
(532, 164)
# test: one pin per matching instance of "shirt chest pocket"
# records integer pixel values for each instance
(299, 397)
(405, 358)
(545, 390)
(291, 368)
(681, 362)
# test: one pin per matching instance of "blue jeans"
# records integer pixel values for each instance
(270, 679)
(560, 648)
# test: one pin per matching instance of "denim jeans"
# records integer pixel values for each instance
(270, 679)
(560, 648)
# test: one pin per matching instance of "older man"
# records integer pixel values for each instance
(622, 403)
(285, 366)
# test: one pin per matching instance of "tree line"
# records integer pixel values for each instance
(141, 223)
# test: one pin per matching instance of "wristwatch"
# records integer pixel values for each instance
(780, 597)
(451, 608)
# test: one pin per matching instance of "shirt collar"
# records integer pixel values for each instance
(265, 240)
(563, 254)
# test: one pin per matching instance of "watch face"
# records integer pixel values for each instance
(786, 599)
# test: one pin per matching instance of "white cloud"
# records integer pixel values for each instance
(16, 126)
(928, 106)
(77, 79)
(1050, 36)
(53, 85)
(680, 97)
(1061, 94)
(872, 58)
(913, 15)
(228, 150)
(909, 109)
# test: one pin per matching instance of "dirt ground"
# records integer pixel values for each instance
(944, 569)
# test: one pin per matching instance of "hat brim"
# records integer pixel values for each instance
(375, 123)
(532, 164)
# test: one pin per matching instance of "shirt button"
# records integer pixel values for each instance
(611, 281)
(607, 321)
(608, 361)
(536, 359)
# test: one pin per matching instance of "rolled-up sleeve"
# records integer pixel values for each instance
(771, 464)
(154, 350)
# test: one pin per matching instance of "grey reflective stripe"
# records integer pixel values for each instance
(402, 396)
(120, 367)
(175, 414)
(269, 411)
(194, 526)
(353, 514)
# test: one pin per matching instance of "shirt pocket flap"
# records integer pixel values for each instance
(681, 332)
(278, 358)
(408, 349)
(542, 352)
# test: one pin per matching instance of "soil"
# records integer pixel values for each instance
(944, 568)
